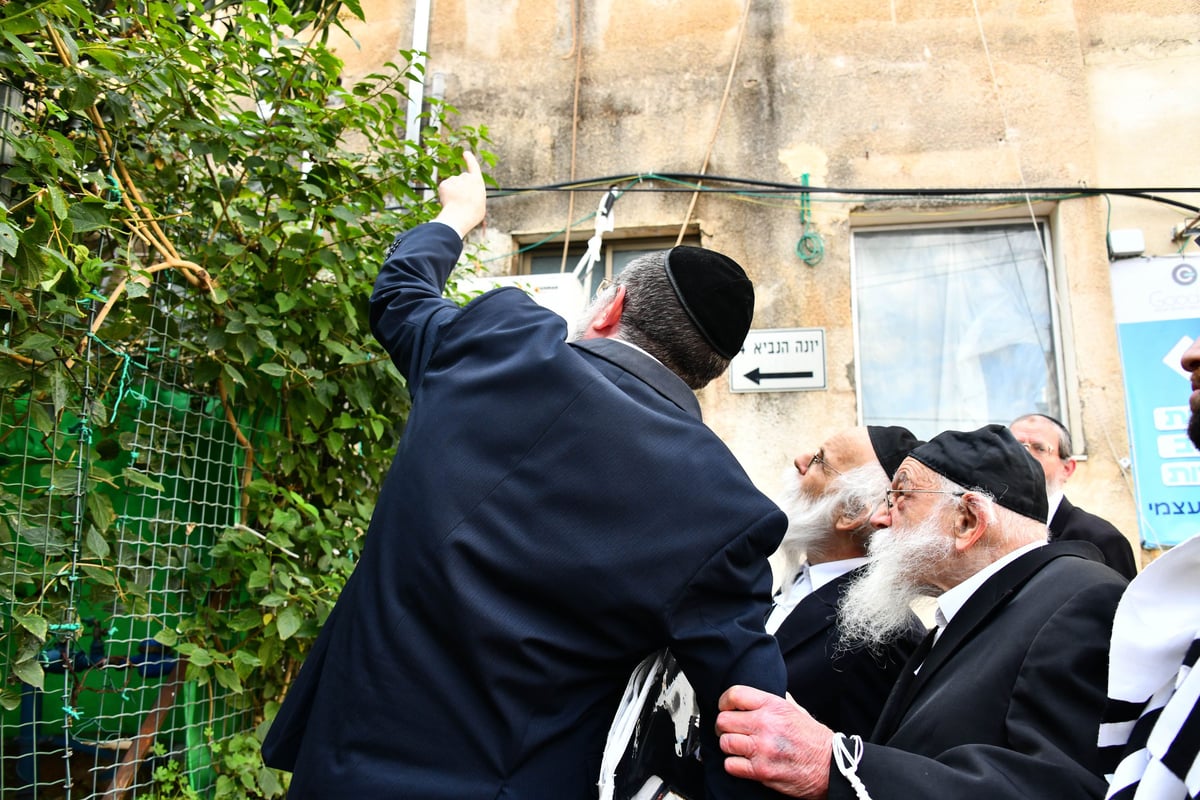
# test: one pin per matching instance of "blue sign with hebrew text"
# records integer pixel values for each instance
(1157, 305)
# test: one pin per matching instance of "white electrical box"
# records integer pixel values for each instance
(1126, 243)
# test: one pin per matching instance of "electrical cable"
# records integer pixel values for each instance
(737, 49)
(577, 49)
(754, 186)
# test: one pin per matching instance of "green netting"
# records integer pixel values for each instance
(116, 477)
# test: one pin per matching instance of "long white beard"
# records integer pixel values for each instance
(810, 519)
(877, 606)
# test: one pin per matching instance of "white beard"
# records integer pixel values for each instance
(877, 606)
(579, 326)
(810, 519)
(1054, 487)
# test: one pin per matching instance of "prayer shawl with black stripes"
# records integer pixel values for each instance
(1150, 738)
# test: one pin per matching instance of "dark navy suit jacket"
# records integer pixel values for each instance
(845, 689)
(1072, 523)
(554, 513)
(1007, 704)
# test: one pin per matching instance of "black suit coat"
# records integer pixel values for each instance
(845, 689)
(554, 513)
(1007, 705)
(1072, 523)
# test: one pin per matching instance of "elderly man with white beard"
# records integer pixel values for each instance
(830, 498)
(1003, 698)
(829, 495)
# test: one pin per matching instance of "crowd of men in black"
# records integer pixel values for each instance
(567, 588)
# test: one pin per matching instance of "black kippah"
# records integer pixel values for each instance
(892, 445)
(993, 460)
(715, 293)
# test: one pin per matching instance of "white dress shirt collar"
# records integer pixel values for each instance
(808, 579)
(635, 347)
(1053, 502)
(821, 574)
(951, 601)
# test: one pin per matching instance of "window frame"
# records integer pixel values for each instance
(1045, 218)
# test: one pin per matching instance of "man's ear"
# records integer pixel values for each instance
(969, 524)
(604, 324)
(1069, 468)
(848, 523)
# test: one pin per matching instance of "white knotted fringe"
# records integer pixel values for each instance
(847, 761)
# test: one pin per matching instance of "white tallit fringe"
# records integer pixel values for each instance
(641, 682)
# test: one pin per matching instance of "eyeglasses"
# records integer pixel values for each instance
(825, 465)
(897, 493)
(1037, 448)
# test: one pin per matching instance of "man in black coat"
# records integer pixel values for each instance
(1049, 441)
(1002, 700)
(830, 500)
(829, 497)
(514, 569)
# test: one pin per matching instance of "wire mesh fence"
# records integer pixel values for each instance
(116, 478)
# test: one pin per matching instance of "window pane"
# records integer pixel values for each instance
(954, 327)
(543, 261)
(615, 254)
(622, 257)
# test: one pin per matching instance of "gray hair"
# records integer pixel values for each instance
(1064, 435)
(981, 500)
(860, 491)
(1012, 530)
(655, 321)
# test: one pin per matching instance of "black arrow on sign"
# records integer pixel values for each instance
(758, 377)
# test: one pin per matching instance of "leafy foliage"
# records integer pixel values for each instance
(210, 155)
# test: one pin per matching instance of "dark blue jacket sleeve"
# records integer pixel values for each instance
(717, 623)
(407, 306)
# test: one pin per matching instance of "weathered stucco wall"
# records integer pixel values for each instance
(1038, 93)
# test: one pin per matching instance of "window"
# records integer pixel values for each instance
(614, 255)
(955, 326)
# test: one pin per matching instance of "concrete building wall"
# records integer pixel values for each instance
(897, 95)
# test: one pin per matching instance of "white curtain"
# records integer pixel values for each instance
(954, 327)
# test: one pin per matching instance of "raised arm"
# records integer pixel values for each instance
(407, 306)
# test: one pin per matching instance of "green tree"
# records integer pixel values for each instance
(212, 152)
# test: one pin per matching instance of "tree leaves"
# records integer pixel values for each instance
(282, 182)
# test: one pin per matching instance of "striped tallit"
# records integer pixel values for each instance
(1150, 738)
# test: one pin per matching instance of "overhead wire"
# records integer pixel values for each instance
(561, 231)
(782, 195)
(577, 50)
(737, 49)
(719, 184)
(987, 54)
(1038, 232)
(1050, 283)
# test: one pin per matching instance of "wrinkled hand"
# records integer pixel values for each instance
(463, 197)
(775, 742)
